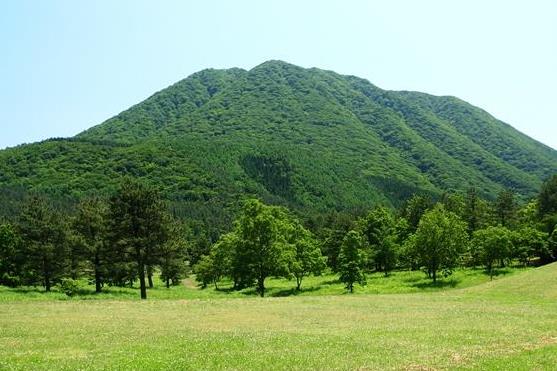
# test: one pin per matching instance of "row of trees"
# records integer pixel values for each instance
(458, 230)
(114, 242)
(131, 236)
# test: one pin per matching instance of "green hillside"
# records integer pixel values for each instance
(311, 139)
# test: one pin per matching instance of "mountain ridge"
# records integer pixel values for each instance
(308, 138)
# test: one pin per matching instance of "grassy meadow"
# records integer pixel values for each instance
(399, 322)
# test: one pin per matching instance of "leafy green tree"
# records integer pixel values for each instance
(205, 271)
(495, 244)
(308, 258)
(45, 248)
(352, 260)
(11, 259)
(90, 226)
(138, 226)
(414, 209)
(506, 207)
(454, 202)
(439, 240)
(379, 229)
(528, 242)
(219, 262)
(262, 246)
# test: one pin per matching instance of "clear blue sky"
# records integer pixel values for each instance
(69, 65)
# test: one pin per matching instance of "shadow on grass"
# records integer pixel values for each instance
(439, 284)
(280, 293)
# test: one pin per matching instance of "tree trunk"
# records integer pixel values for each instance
(298, 282)
(434, 275)
(46, 274)
(141, 274)
(97, 274)
(47, 283)
(150, 276)
(167, 283)
(261, 286)
(351, 287)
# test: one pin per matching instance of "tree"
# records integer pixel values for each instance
(475, 212)
(414, 209)
(205, 271)
(439, 240)
(138, 226)
(45, 248)
(352, 260)
(308, 258)
(547, 198)
(552, 243)
(262, 249)
(506, 207)
(494, 244)
(90, 226)
(528, 242)
(218, 263)
(11, 259)
(172, 255)
(338, 224)
(379, 229)
(454, 202)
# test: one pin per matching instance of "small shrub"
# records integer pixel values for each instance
(69, 286)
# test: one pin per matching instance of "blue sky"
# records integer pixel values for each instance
(69, 65)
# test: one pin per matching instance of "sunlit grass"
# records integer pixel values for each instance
(397, 282)
(509, 323)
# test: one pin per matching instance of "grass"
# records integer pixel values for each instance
(397, 282)
(509, 323)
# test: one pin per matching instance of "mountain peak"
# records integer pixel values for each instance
(308, 138)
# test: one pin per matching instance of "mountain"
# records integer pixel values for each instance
(307, 138)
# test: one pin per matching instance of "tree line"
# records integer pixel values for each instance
(131, 236)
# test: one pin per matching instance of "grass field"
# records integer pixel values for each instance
(510, 323)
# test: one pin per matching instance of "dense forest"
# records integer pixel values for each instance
(276, 171)
(307, 139)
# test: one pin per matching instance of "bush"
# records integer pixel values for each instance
(69, 286)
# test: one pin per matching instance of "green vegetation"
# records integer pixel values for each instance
(308, 139)
(280, 181)
(506, 323)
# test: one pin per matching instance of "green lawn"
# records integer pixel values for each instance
(510, 323)
(399, 282)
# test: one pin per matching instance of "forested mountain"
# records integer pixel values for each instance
(310, 139)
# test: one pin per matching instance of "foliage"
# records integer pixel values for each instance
(352, 261)
(90, 227)
(379, 229)
(506, 207)
(495, 244)
(138, 226)
(43, 231)
(439, 240)
(69, 286)
(308, 139)
(307, 259)
(547, 198)
(11, 259)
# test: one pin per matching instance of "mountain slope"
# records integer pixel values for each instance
(308, 138)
